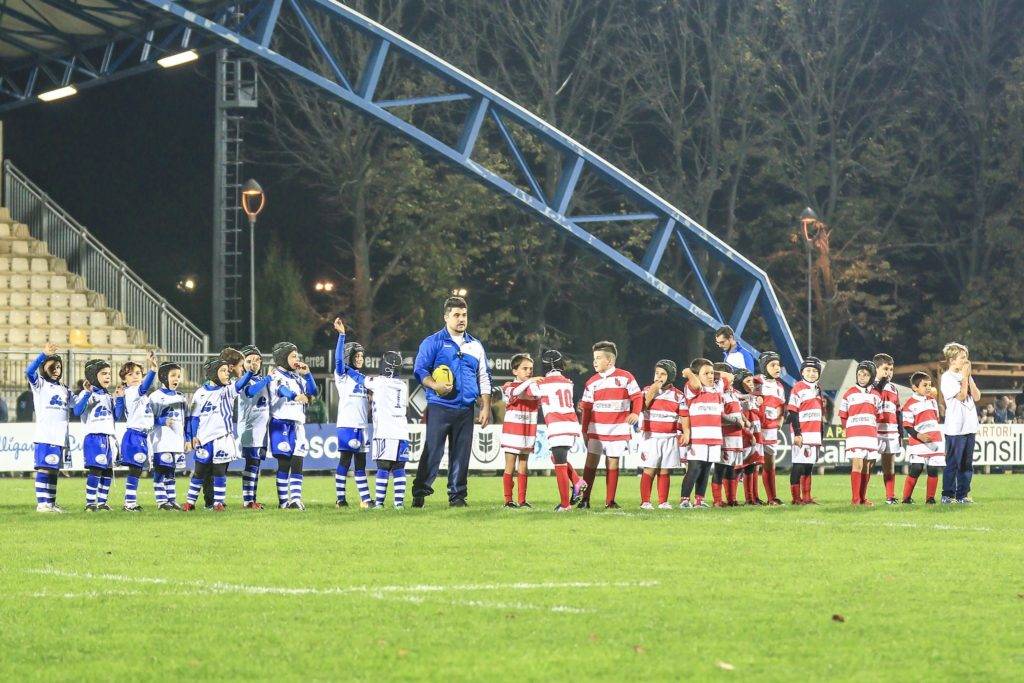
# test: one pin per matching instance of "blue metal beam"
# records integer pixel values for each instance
(520, 160)
(254, 40)
(744, 307)
(615, 217)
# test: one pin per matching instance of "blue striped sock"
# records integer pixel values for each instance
(169, 489)
(92, 483)
(282, 487)
(363, 486)
(51, 487)
(340, 481)
(195, 485)
(380, 481)
(42, 488)
(220, 489)
(103, 492)
(250, 475)
(399, 487)
(158, 488)
(131, 489)
(296, 486)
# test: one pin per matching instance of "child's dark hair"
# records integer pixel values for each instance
(126, 368)
(231, 356)
(697, 363)
(883, 359)
(519, 358)
(725, 367)
(918, 377)
(606, 347)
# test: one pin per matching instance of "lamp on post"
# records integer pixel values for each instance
(253, 200)
(809, 225)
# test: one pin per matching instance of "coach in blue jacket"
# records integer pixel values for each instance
(450, 406)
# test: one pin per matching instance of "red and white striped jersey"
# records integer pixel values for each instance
(752, 411)
(805, 400)
(773, 407)
(922, 413)
(860, 410)
(519, 431)
(888, 422)
(608, 399)
(555, 395)
(732, 434)
(705, 406)
(661, 418)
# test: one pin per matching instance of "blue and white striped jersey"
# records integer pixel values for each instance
(283, 405)
(390, 398)
(98, 416)
(140, 412)
(169, 411)
(253, 416)
(215, 407)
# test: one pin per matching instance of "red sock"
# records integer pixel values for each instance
(562, 479)
(522, 488)
(748, 489)
(752, 474)
(734, 485)
(716, 492)
(645, 487)
(769, 484)
(864, 486)
(612, 479)
(506, 483)
(933, 483)
(805, 487)
(855, 479)
(573, 477)
(890, 485)
(663, 487)
(908, 486)
(794, 490)
(589, 474)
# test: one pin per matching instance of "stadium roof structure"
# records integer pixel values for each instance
(52, 48)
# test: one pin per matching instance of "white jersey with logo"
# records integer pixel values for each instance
(253, 417)
(168, 405)
(353, 403)
(282, 408)
(214, 406)
(50, 400)
(389, 401)
(98, 416)
(137, 409)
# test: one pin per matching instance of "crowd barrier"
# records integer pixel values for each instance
(996, 445)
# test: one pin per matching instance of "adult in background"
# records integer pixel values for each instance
(732, 353)
(961, 424)
(450, 406)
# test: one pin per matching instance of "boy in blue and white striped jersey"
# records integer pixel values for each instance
(353, 417)
(211, 430)
(98, 410)
(50, 400)
(168, 436)
(253, 421)
(390, 398)
(291, 386)
(135, 441)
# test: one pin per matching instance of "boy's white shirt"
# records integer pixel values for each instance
(961, 416)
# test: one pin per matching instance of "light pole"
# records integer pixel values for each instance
(253, 200)
(809, 224)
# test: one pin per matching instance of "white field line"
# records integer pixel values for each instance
(411, 593)
(716, 518)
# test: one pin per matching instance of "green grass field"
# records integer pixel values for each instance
(484, 593)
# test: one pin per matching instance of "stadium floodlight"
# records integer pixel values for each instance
(324, 286)
(187, 284)
(178, 59)
(58, 94)
(460, 291)
(253, 201)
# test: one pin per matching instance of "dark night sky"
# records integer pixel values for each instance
(132, 160)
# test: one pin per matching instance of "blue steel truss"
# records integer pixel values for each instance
(167, 26)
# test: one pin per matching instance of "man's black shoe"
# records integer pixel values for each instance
(417, 501)
(457, 503)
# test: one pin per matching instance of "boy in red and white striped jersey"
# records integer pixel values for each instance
(733, 425)
(519, 430)
(662, 432)
(706, 408)
(753, 443)
(890, 424)
(860, 411)
(611, 405)
(925, 443)
(554, 391)
(772, 413)
(806, 417)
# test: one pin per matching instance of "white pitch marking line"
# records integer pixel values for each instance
(378, 592)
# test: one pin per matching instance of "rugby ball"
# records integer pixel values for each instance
(442, 374)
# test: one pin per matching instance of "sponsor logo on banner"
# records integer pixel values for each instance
(486, 445)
